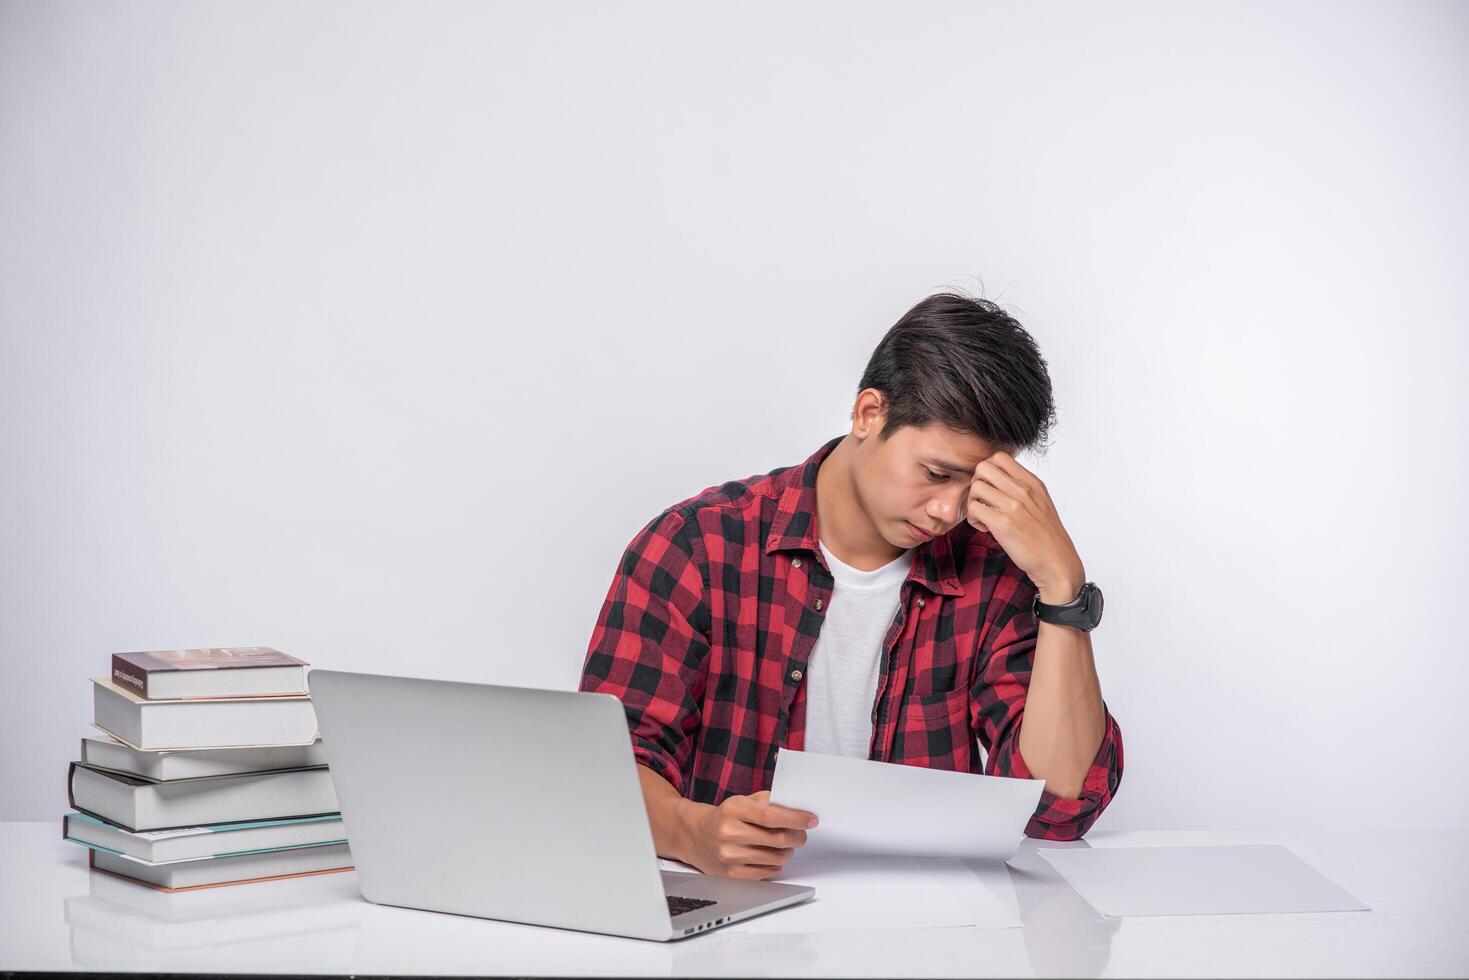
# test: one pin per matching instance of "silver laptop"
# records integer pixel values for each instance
(510, 803)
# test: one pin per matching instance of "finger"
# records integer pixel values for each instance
(991, 496)
(770, 857)
(980, 516)
(752, 871)
(750, 833)
(767, 814)
(775, 816)
(1017, 472)
(988, 472)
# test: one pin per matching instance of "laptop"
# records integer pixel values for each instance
(510, 803)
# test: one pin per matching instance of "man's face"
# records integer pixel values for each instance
(914, 485)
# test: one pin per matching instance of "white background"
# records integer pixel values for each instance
(374, 332)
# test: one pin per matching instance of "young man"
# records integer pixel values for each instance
(876, 601)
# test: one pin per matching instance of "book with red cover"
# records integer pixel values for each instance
(209, 673)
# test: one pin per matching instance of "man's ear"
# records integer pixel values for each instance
(869, 413)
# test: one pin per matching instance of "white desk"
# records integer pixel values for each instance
(54, 915)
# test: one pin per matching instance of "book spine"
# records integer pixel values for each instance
(129, 676)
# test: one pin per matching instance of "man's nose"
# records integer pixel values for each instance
(942, 509)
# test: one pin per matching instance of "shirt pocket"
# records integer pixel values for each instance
(936, 731)
(934, 664)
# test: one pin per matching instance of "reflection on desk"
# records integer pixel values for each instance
(117, 920)
(56, 916)
(1064, 936)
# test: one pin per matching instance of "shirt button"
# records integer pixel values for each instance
(920, 600)
(795, 675)
(795, 563)
(818, 603)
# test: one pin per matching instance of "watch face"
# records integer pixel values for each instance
(1094, 605)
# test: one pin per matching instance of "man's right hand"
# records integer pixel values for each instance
(745, 836)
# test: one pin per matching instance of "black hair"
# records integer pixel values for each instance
(966, 364)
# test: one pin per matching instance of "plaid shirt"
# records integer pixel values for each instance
(708, 627)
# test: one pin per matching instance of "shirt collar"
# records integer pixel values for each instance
(794, 529)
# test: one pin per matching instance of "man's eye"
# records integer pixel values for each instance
(937, 477)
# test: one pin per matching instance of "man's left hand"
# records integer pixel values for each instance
(1012, 503)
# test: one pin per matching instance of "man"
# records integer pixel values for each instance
(875, 601)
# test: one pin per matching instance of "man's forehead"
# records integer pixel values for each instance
(949, 448)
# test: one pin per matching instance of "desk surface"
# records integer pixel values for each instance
(55, 915)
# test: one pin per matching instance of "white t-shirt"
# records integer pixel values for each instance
(841, 679)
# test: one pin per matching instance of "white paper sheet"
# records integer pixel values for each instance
(882, 893)
(867, 807)
(1236, 878)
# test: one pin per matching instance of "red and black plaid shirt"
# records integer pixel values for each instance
(708, 627)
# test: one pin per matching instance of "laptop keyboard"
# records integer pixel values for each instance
(677, 905)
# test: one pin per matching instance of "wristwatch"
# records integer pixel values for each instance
(1083, 613)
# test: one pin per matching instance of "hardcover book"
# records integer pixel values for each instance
(235, 870)
(183, 723)
(210, 840)
(137, 805)
(162, 765)
(209, 673)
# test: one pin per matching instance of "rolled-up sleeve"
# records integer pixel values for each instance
(1005, 663)
(650, 645)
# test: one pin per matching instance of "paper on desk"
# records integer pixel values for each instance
(1235, 878)
(867, 807)
(874, 892)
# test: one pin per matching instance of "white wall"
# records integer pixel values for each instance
(374, 332)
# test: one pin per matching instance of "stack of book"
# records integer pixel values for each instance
(208, 770)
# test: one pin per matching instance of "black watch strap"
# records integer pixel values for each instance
(1083, 613)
